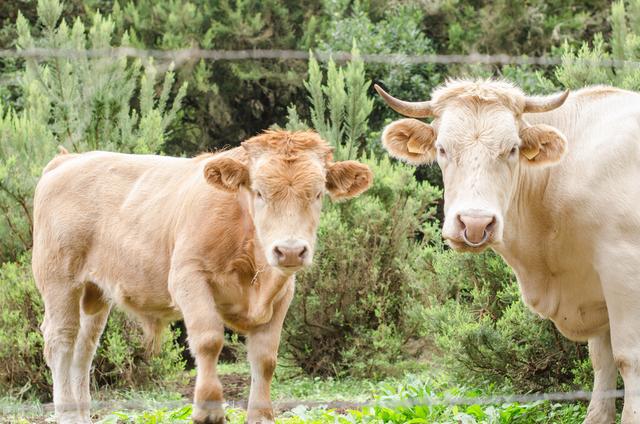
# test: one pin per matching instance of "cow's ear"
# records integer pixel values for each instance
(410, 140)
(542, 144)
(226, 174)
(348, 179)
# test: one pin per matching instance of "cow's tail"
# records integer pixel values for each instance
(152, 330)
(62, 156)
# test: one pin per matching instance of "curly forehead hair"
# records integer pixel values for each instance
(289, 145)
(478, 91)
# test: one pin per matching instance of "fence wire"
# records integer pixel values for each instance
(10, 409)
(183, 55)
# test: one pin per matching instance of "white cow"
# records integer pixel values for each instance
(553, 185)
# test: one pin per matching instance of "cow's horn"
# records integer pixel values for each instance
(545, 103)
(410, 109)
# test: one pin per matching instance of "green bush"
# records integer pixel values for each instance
(484, 332)
(353, 310)
(80, 103)
(580, 66)
(120, 360)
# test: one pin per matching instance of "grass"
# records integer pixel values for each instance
(390, 400)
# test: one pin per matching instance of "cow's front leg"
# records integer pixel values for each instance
(619, 271)
(602, 408)
(205, 332)
(262, 350)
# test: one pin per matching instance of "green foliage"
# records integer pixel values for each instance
(119, 362)
(581, 67)
(344, 98)
(226, 101)
(81, 103)
(529, 27)
(484, 332)
(23, 372)
(393, 401)
(398, 31)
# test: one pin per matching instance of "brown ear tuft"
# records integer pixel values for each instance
(410, 140)
(348, 179)
(226, 174)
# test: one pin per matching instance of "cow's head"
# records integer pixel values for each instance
(482, 143)
(285, 177)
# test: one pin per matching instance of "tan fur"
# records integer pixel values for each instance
(478, 93)
(570, 229)
(548, 144)
(410, 140)
(348, 179)
(164, 238)
(226, 173)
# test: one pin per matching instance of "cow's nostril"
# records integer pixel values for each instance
(303, 252)
(278, 253)
(476, 229)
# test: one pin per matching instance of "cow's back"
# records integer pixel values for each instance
(109, 218)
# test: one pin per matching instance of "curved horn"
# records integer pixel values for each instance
(410, 109)
(545, 103)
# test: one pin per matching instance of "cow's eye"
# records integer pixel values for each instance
(513, 150)
(258, 194)
(319, 195)
(441, 151)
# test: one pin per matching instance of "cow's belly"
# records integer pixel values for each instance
(132, 279)
(573, 301)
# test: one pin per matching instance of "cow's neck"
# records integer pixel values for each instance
(528, 239)
(526, 222)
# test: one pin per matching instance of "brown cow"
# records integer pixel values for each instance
(215, 240)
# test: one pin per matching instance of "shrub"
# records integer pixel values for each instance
(580, 66)
(119, 361)
(81, 103)
(484, 332)
(352, 313)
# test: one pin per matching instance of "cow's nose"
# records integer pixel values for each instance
(290, 254)
(476, 229)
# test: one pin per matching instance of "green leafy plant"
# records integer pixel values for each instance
(352, 311)
(82, 103)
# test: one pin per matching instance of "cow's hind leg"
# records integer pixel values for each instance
(60, 331)
(205, 332)
(602, 408)
(93, 318)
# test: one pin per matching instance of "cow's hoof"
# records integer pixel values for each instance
(72, 418)
(209, 420)
(263, 420)
(211, 416)
(264, 416)
(601, 413)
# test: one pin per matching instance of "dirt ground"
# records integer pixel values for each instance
(235, 387)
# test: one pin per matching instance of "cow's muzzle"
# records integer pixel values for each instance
(476, 229)
(290, 255)
(471, 230)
